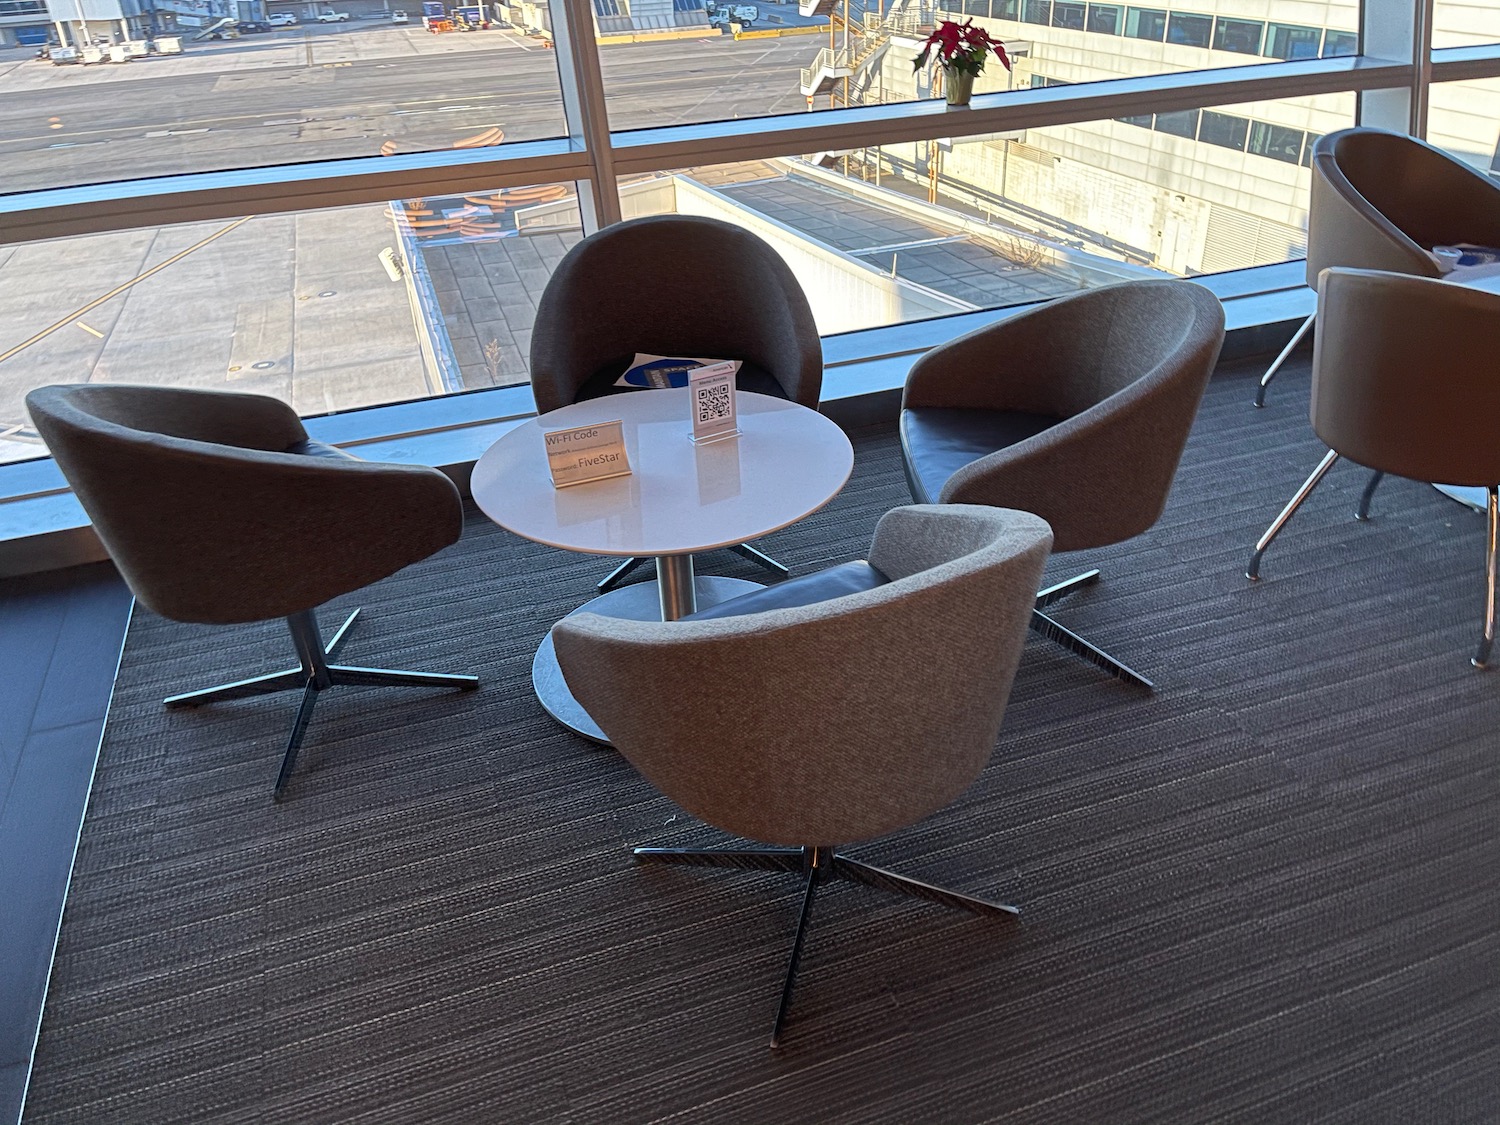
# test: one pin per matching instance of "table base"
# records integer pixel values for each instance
(638, 602)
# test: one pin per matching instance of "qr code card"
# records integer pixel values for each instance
(711, 390)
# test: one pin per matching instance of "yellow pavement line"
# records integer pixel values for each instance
(90, 331)
(73, 317)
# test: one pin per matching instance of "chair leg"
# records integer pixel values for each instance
(816, 865)
(294, 743)
(1363, 511)
(1062, 589)
(855, 871)
(618, 575)
(760, 558)
(1265, 380)
(817, 868)
(1487, 638)
(1252, 571)
(1053, 630)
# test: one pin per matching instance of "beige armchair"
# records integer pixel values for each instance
(1404, 383)
(828, 709)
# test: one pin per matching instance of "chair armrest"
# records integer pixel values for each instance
(919, 537)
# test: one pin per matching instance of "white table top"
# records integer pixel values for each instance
(680, 497)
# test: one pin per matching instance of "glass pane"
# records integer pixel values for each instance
(1037, 11)
(1289, 41)
(1337, 44)
(1183, 123)
(922, 228)
(1189, 31)
(327, 310)
(1223, 129)
(1146, 23)
(1105, 19)
(1275, 141)
(1463, 118)
(184, 99)
(1241, 36)
(1067, 15)
(1465, 23)
(1005, 10)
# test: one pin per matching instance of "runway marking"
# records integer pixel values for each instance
(90, 331)
(73, 317)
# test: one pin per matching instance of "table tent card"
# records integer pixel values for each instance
(711, 391)
(654, 372)
(586, 453)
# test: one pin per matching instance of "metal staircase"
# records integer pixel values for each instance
(844, 70)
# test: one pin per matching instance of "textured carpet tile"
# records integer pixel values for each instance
(1266, 894)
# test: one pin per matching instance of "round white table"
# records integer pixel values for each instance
(680, 497)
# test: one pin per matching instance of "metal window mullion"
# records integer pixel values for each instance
(585, 111)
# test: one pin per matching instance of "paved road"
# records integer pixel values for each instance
(316, 93)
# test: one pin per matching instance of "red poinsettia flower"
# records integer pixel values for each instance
(961, 47)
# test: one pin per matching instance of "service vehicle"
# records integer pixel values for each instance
(283, 19)
(399, 16)
(252, 27)
(333, 17)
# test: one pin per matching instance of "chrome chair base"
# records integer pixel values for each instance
(1054, 630)
(1481, 657)
(314, 675)
(744, 550)
(1265, 380)
(817, 865)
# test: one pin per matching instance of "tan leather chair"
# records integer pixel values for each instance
(1404, 383)
(1381, 201)
(218, 509)
(674, 285)
(1076, 410)
(828, 709)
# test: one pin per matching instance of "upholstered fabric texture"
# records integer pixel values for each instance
(1404, 375)
(218, 511)
(1123, 367)
(1381, 200)
(833, 722)
(672, 285)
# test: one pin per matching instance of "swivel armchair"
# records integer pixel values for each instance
(1404, 383)
(1381, 201)
(674, 285)
(218, 509)
(1077, 410)
(828, 709)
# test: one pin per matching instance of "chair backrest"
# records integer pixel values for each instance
(834, 722)
(1123, 366)
(209, 517)
(1381, 201)
(1404, 375)
(677, 285)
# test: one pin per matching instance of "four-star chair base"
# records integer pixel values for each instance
(816, 865)
(744, 550)
(1054, 630)
(313, 676)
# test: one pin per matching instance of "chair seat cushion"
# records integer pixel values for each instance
(756, 380)
(835, 582)
(938, 441)
(310, 448)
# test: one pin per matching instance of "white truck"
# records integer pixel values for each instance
(282, 19)
(333, 17)
(721, 15)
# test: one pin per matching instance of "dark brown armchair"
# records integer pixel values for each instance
(1077, 410)
(1381, 201)
(674, 285)
(218, 509)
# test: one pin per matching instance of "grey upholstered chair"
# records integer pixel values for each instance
(828, 709)
(219, 510)
(674, 285)
(1381, 201)
(1077, 410)
(1404, 383)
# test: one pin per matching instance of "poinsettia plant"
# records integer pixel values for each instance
(961, 47)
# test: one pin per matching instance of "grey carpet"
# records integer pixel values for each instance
(1267, 894)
